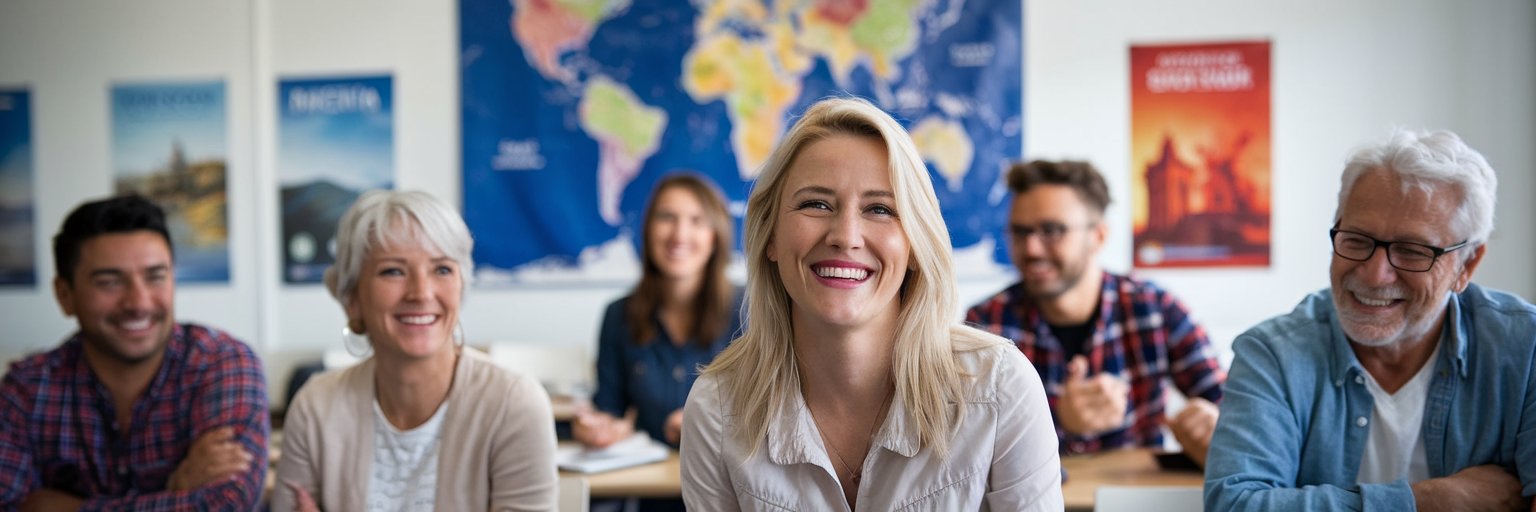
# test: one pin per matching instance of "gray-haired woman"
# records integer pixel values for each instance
(424, 423)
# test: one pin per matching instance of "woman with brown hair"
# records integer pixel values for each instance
(683, 312)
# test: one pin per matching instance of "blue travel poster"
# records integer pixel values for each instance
(169, 144)
(335, 140)
(573, 110)
(18, 249)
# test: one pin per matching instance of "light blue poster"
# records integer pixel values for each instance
(18, 250)
(573, 110)
(335, 141)
(169, 145)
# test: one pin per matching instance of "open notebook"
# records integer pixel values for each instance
(636, 450)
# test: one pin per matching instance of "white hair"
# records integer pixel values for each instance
(1425, 160)
(392, 219)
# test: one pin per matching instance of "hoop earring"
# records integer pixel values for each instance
(355, 343)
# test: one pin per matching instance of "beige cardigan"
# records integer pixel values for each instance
(497, 453)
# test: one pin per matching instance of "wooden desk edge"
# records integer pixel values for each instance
(1134, 467)
(655, 480)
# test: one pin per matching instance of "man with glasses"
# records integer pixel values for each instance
(1403, 385)
(1103, 343)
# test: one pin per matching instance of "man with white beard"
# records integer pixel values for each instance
(1404, 386)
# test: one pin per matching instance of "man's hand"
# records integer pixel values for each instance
(597, 429)
(50, 500)
(1090, 406)
(674, 426)
(1478, 488)
(1193, 427)
(215, 456)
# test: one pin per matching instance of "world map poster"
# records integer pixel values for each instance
(1200, 152)
(573, 110)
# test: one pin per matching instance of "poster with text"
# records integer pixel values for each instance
(573, 111)
(1200, 154)
(335, 141)
(169, 145)
(18, 248)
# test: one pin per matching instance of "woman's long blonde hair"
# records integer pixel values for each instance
(758, 371)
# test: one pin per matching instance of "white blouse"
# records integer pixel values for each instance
(1003, 456)
(404, 475)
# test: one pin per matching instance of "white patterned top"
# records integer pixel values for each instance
(404, 463)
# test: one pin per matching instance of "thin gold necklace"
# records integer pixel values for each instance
(856, 474)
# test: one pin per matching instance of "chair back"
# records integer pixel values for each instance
(573, 494)
(563, 370)
(1148, 499)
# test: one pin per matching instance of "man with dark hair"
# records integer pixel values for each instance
(133, 411)
(1103, 343)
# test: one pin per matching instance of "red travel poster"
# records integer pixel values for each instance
(1200, 154)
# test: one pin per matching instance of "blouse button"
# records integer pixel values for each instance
(639, 369)
(1359, 379)
(678, 373)
(1361, 421)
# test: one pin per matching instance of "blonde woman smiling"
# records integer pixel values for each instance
(855, 386)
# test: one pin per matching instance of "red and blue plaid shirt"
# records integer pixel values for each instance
(56, 426)
(1142, 333)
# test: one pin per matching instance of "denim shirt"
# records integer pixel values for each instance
(655, 378)
(1295, 419)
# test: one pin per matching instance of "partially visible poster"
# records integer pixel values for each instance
(1200, 152)
(18, 260)
(169, 145)
(335, 140)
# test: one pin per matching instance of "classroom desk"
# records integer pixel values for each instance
(655, 480)
(1129, 468)
(1085, 474)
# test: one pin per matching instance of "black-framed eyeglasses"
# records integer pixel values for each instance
(1050, 232)
(1409, 256)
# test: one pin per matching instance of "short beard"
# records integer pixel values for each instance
(106, 349)
(1412, 330)
(1068, 282)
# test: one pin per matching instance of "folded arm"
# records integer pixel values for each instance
(233, 394)
(1255, 454)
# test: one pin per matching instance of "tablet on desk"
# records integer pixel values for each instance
(638, 449)
(1176, 461)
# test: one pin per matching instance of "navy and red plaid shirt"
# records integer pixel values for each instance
(1142, 333)
(56, 426)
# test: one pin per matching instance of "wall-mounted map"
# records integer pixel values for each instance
(573, 110)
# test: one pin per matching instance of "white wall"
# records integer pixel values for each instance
(69, 53)
(1344, 73)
